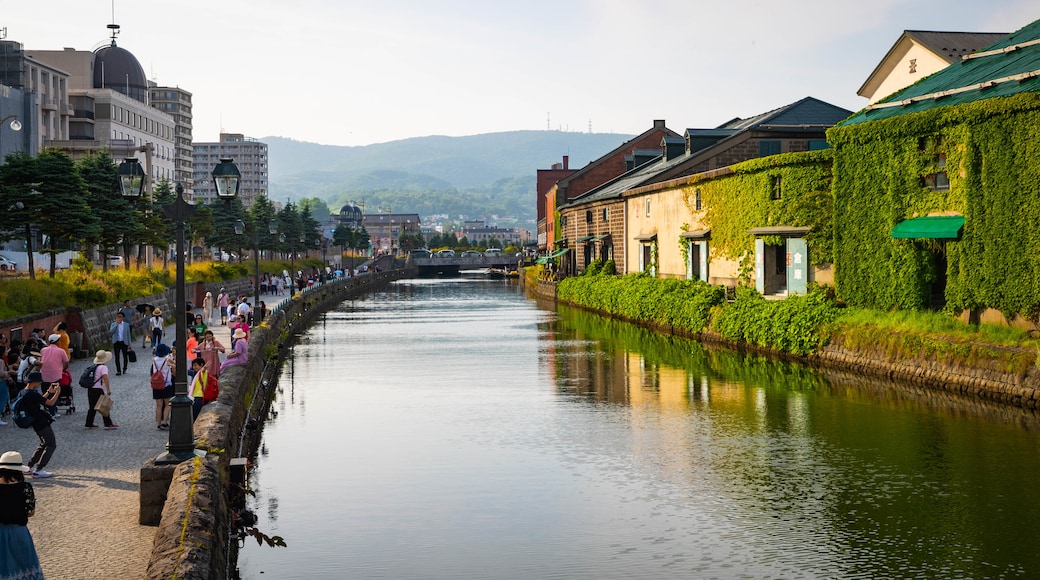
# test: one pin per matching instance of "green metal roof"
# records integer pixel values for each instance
(1005, 68)
(934, 227)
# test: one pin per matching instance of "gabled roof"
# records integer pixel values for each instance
(803, 115)
(947, 46)
(658, 125)
(951, 46)
(624, 182)
(1007, 67)
(808, 113)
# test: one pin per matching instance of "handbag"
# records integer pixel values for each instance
(104, 405)
(158, 379)
(66, 379)
(131, 355)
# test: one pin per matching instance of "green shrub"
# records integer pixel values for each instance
(797, 324)
(682, 304)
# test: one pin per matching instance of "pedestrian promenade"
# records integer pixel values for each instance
(86, 522)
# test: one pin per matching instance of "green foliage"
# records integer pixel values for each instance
(609, 268)
(738, 201)
(932, 336)
(798, 324)
(679, 303)
(992, 159)
(22, 296)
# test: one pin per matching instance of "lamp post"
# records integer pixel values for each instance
(240, 228)
(181, 445)
(14, 124)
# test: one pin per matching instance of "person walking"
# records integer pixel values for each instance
(101, 386)
(129, 314)
(207, 308)
(122, 336)
(163, 362)
(35, 404)
(18, 557)
(155, 326)
(222, 304)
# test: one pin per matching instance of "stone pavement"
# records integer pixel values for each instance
(86, 515)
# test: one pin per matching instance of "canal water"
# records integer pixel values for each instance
(457, 429)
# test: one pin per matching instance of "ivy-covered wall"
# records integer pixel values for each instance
(738, 201)
(990, 151)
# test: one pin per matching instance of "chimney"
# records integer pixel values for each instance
(566, 161)
(659, 124)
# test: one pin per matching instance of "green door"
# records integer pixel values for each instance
(797, 266)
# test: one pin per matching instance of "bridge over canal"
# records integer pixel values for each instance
(455, 264)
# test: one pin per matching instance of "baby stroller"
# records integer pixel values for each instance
(65, 395)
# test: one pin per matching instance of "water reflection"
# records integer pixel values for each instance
(456, 429)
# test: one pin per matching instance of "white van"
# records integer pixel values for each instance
(493, 252)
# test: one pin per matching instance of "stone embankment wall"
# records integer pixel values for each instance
(88, 329)
(979, 377)
(983, 378)
(192, 538)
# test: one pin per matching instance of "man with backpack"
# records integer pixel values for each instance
(31, 402)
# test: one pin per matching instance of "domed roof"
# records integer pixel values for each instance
(117, 69)
(351, 213)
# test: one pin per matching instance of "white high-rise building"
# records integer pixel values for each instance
(249, 155)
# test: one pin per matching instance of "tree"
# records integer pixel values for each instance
(409, 241)
(18, 176)
(160, 231)
(200, 225)
(225, 214)
(258, 220)
(62, 213)
(112, 211)
(290, 226)
(311, 227)
(319, 208)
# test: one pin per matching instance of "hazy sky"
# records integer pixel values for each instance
(344, 72)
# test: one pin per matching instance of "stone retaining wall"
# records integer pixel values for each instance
(191, 541)
(88, 329)
(983, 379)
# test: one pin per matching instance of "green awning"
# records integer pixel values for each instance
(933, 227)
(584, 239)
(600, 238)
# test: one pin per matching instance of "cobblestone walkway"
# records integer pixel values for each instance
(86, 515)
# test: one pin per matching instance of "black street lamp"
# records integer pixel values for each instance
(240, 228)
(181, 445)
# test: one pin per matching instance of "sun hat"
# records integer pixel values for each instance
(35, 353)
(102, 357)
(35, 377)
(157, 312)
(54, 338)
(12, 460)
(162, 350)
(239, 333)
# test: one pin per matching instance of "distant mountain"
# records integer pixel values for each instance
(473, 176)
